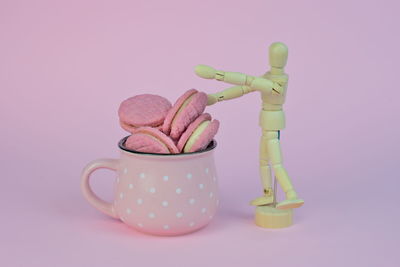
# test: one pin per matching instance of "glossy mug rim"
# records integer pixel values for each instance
(210, 147)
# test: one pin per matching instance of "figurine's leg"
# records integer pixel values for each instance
(275, 155)
(265, 173)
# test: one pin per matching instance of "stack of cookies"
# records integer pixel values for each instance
(157, 126)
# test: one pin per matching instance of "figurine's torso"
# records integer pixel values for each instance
(272, 117)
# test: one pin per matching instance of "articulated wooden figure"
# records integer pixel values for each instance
(272, 86)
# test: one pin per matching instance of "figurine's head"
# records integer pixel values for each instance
(278, 53)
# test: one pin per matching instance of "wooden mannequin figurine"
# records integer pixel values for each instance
(272, 86)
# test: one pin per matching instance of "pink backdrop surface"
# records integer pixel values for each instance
(66, 65)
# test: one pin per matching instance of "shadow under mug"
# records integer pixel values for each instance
(160, 194)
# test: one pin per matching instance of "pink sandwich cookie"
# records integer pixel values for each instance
(143, 110)
(151, 140)
(185, 110)
(198, 134)
(132, 129)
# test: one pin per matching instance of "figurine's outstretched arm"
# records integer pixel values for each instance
(254, 83)
(229, 93)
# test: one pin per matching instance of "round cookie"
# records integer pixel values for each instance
(151, 140)
(143, 110)
(185, 110)
(191, 128)
(201, 136)
(145, 143)
(131, 129)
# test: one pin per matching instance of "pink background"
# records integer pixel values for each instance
(66, 65)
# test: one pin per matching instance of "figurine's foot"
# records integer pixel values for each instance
(290, 204)
(261, 201)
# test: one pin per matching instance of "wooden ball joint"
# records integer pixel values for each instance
(272, 86)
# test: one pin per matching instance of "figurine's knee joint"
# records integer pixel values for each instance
(277, 166)
(268, 191)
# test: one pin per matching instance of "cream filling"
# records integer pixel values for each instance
(185, 103)
(195, 135)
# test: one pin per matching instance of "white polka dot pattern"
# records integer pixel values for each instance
(152, 190)
(184, 196)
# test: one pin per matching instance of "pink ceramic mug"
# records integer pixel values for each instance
(159, 194)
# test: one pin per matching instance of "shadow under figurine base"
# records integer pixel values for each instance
(159, 194)
(271, 217)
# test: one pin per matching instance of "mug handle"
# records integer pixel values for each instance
(87, 191)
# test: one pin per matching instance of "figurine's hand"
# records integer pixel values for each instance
(205, 71)
(211, 100)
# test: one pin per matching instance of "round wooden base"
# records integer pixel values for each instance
(270, 217)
